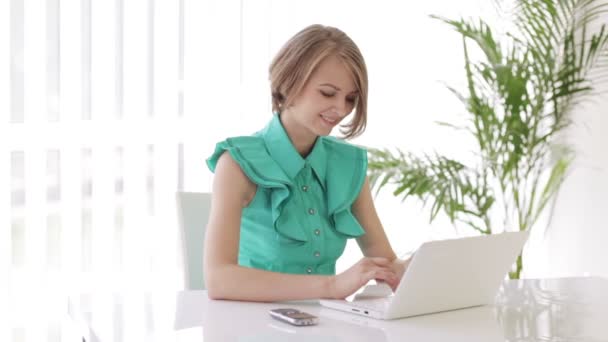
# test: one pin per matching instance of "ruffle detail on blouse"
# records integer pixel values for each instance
(342, 189)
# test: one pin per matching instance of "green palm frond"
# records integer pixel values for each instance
(519, 93)
(460, 192)
(556, 32)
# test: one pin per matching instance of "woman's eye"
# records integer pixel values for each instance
(351, 99)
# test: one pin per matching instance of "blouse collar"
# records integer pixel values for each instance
(282, 150)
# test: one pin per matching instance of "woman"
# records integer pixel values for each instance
(286, 199)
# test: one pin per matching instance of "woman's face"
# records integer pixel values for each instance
(327, 98)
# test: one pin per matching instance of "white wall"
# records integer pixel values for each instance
(575, 241)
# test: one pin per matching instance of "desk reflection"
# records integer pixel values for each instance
(567, 309)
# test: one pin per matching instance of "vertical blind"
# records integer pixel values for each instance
(92, 140)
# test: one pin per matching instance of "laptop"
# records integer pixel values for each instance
(442, 275)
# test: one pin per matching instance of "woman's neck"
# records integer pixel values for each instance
(300, 137)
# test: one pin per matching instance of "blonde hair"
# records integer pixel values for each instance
(291, 68)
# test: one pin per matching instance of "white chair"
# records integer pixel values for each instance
(193, 213)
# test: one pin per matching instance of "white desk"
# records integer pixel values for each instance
(568, 309)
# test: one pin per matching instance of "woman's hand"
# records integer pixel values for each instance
(349, 281)
(398, 266)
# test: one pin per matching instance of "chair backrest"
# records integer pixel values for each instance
(193, 212)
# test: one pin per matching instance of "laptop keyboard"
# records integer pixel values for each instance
(377, 304)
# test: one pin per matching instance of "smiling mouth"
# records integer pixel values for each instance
(329, 120)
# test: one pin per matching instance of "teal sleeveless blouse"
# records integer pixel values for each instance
(300, 216)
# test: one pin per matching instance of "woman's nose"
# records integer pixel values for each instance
(335, 110)
(341, 107)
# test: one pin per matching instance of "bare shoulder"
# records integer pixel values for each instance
(231, 181)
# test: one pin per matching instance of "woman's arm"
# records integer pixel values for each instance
(375, 242)
(225, 279)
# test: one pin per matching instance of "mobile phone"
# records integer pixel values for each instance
(294, 317)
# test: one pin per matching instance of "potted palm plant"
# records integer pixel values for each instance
(519, 98)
